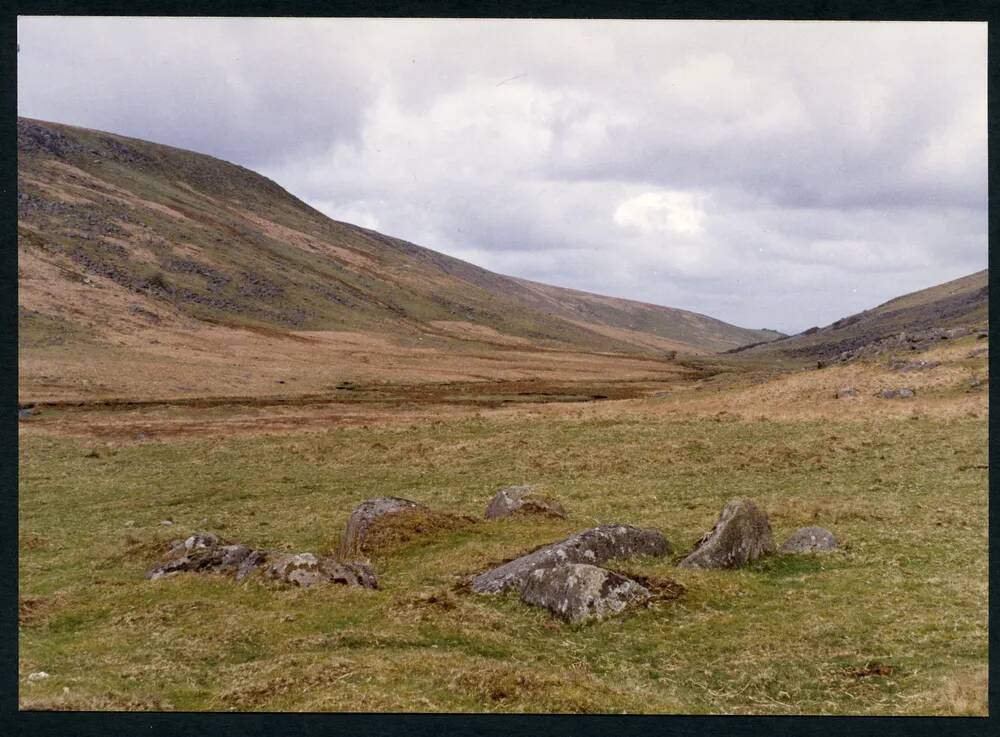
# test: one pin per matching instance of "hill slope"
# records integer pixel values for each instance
(180, 236)
(945, 310)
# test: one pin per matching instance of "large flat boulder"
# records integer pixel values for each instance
(522, 500)
(577, 592)
(378, 525)
(809, 540)
(741, 534)
(593, 546)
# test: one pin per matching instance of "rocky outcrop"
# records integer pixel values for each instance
(741, 534)
(204, 552)
(595, 545)
(578, 592)
(809, 540)
(522, 500)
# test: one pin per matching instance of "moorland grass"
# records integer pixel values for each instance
(893, 623)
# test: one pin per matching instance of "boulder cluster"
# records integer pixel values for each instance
(204, 552)
(566, 577)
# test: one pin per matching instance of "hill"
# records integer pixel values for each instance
(916, 320)
(135, 251)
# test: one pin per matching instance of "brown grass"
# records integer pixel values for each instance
(391, 532)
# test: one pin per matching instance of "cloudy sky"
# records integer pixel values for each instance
(770, 174)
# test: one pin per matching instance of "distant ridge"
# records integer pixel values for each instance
(220, 244)
(960, 304)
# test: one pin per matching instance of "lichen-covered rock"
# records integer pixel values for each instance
(523, 500)
(387, 522)
(306, 569)
(577, 592)
(301, 569)
(741, 534)
(809, 540)
(595, 545)
(202, 552)
(904, 393)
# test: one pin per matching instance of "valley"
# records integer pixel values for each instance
(201, 353)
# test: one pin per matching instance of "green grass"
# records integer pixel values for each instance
(908, 589)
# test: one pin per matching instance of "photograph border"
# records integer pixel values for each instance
(15, 722)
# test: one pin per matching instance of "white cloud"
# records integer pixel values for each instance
(667, 211)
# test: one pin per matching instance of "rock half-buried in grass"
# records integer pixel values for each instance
(810, 540)
(577, 592)
(379, 525)
(205, 553)
(595, 545)
(522, 500)
(305, 569)
(742, 534)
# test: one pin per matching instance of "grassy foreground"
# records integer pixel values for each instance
(894, 623)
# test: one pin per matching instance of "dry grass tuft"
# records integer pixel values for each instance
(82, 702)
(394, 531)
(505, 684)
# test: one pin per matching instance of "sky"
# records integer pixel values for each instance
(770, 174)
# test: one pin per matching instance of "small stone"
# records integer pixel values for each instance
(39, 676)
(577, 592)
(166, 522)
(847, 391)
(809, 540)
(903, 393)
(522, 499)
(741, 534)
(201, 540)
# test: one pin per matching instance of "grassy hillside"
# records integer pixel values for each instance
(178, 235)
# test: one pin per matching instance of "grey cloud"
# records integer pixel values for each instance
(791, 172)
